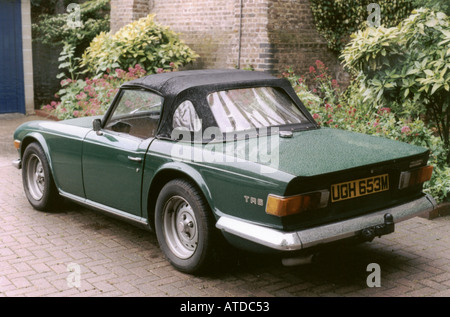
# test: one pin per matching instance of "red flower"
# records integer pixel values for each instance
(319, 64)
(406, 129)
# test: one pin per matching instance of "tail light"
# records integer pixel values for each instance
(415, 176)
(285, 206)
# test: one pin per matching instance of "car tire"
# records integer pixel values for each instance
(37, 179)
(184, 227)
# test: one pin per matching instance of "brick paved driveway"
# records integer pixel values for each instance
(41, 254)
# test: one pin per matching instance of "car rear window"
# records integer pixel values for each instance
(252, 108)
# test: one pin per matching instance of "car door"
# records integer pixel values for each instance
(113, 157)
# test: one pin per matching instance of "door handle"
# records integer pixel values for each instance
(135, 159)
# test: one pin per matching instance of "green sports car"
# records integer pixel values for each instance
(206, 156)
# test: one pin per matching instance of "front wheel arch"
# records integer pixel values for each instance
(37, 178)
(38, 139)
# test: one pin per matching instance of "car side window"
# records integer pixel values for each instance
(137, 113)
(186, 118)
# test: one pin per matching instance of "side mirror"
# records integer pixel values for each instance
(97, 126)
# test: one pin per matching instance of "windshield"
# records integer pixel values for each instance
(252, 108)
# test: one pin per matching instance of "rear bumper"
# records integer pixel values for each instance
(303, 239)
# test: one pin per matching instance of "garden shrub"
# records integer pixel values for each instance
(69, 63)
(155, 47)
(337, 19)
(436, 5)
(54, 30)
(406, 67)
(72, 40)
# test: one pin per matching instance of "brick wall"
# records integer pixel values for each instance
(126, 11)
(208, 27)
(268, 35)
(295, 41)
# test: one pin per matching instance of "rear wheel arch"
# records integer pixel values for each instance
(163, 176)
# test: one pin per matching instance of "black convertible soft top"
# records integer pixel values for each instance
(173, 83)
(195, 85)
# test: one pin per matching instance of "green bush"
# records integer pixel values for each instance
(336, 20)
(406, 67)
(436, 5)
(156, 48)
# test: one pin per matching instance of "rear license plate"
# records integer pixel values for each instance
(359, 187)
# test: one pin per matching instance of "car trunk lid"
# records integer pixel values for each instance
(325, 151)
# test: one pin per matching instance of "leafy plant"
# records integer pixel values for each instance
(54, 30)
(436, 5)
(406, 67)
(69, 63)
(39, 7)
(155, 47)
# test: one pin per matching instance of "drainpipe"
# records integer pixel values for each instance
(241, 5)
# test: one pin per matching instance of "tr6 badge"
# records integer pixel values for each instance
(254, 200)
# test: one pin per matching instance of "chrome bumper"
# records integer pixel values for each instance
(298, 240)
(17, 163)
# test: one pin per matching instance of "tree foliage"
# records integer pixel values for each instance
(54, 29)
